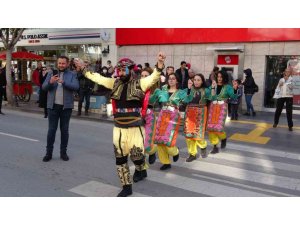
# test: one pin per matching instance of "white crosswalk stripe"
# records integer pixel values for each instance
(199, 186)
(264, 151)
(99, 189)
(232, 174)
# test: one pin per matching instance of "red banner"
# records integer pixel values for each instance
(148, 36)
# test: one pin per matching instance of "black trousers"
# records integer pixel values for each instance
(289, 110)
(84, 95)
(234, 111)
(2, 90)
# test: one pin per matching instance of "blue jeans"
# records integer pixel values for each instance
(54, 115)
(248, 99)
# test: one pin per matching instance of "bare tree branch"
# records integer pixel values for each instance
(7, 37)
(3, 37)
(18, 33)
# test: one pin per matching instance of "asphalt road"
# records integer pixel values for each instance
(245, 169)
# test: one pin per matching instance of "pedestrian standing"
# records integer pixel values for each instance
(249, 89)
(43, 94)
(285, 95)
(3, 84)
(60, 88)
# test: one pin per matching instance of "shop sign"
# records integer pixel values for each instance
(228, 59)
(34, 36)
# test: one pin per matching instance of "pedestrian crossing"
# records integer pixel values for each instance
(240, 171)
(99, 189)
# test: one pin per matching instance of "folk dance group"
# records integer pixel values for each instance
(137, 131)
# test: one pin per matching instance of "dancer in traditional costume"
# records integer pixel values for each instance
(168, 121)
(128, 134)
(196, 117)
(150, 120)
(220, 92)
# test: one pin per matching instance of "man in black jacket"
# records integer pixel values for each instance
(3, 84)
(85, 90)
(249, 90)
(182, 75)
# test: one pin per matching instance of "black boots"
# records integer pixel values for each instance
(139, 175)
(215, 150)
(203, 153)
(152, 158)
(127, 190)
(47, 157)
(191, 158)
(64, 156)
(165, 167)
(223, 143)
(175, 158)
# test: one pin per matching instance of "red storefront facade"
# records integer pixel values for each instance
(153, 36)
(265, 50)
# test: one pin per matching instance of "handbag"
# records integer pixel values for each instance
(255, 88)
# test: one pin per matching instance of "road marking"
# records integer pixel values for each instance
(254, 136)
(20, 137)
(99, 189)
(256, 161)
(242, 174)
(200, 186)
(257, 122)
(263, 151)
(244, 185)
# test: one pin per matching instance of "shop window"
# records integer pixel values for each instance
(274, 72)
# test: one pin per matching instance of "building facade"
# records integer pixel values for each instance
(266, 51)
(93, 45)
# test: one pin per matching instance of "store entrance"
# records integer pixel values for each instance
(274, 72)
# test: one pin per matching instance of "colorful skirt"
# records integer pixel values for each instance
(217, 116)
(150, 127)
(167, 126)
(195, 122)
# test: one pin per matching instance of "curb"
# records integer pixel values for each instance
(87, 118)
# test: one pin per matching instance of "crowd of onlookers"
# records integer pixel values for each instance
(184, 73)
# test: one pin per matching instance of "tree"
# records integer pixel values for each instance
(10, 37)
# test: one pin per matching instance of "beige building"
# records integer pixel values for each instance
(267, 60)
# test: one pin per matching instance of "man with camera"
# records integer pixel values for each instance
(60, 102)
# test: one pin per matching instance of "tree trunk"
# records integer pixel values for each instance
(9, 87)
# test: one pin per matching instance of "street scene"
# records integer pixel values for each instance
(244, 169)
(106, 113)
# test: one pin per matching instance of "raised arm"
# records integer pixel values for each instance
(107, 82)
(95, 77)
(149, 81)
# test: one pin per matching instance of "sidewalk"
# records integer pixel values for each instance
(32, 106)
